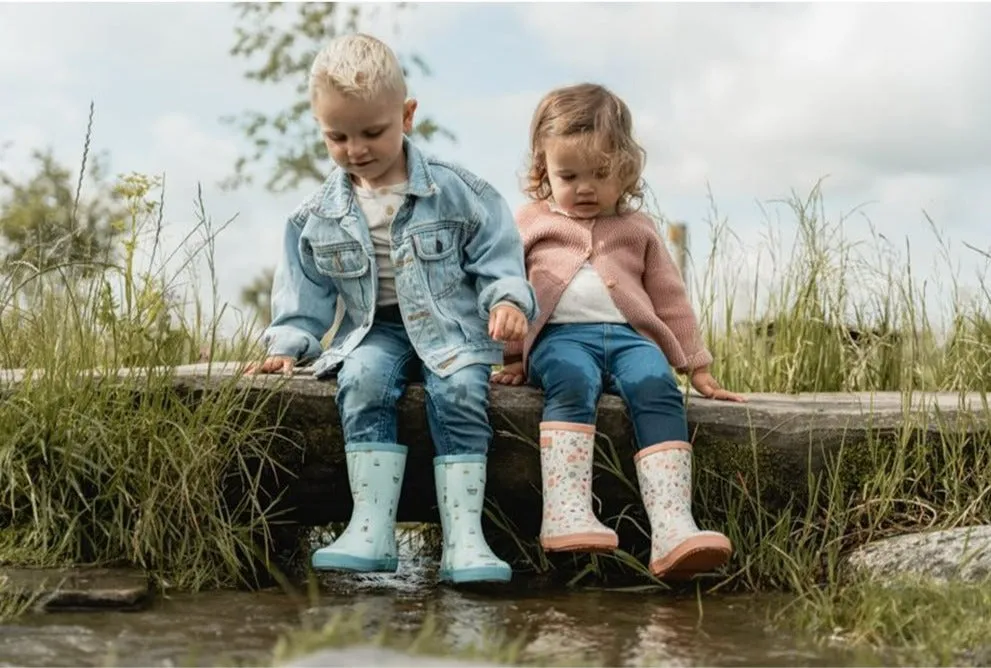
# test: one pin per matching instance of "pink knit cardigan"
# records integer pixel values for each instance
(630, 256)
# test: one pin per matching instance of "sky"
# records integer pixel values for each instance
(739, 104)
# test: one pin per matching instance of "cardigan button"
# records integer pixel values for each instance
(611, 283)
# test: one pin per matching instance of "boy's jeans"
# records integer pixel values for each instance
(574, 363)
(373, 377)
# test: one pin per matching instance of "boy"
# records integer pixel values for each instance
(428, 263)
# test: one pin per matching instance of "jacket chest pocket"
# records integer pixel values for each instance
(438, 254)
(348, 265)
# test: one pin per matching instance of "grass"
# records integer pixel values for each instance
(13, 601)
(832, 313)
(96, 470)
(906, 621)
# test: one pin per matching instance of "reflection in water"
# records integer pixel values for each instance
(588, 627)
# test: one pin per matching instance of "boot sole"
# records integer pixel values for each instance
(482, 574)
(347, 562)
(695, 555)
(581, 542)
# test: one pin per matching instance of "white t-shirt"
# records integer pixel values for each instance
(380, 206)
(586, 299)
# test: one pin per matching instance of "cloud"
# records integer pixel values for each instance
(763, 96)
(410, 26)
(492, 138)
(179, 141)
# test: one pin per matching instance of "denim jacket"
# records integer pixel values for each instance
(456, 252)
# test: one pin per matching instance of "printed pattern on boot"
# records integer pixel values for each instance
(466, 555)
(679, 549)
(368, 544)
(568, 523)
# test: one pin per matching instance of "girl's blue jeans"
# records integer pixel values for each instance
(575, 363)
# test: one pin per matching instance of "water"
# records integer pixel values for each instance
(594, 627)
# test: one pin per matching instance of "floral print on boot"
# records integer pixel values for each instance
(568, 523)
(678, 548)
(375, 472)
(466, 557)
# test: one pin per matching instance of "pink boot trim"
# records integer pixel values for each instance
(698, 554)
(661, 447)
(581, 542)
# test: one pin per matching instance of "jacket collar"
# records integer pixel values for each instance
(338, 191)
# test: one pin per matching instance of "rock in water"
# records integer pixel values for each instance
(951, 554)
(82, 588)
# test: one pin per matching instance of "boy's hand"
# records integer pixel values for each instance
(510, 374)
(507, 323)
(707, 386)
(273, 364)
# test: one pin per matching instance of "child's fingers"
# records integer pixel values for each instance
(725, 395)
(496, 324)
(508, 328)
(515, 326)
(521, 326)
(504, 324)
(507, 379)
(507, 324)
(271, 365)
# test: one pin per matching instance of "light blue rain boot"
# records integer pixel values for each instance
(460, 495)
(375, 471)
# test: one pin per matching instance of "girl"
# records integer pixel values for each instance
(614, 316)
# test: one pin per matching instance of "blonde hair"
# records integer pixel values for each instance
(357, 65)
(600, 119)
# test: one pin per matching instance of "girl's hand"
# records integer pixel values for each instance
(273, 364)
(511, 374)
(706, 385)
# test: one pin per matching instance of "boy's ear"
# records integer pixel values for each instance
(409, 110)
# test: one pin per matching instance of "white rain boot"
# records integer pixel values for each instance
(466, 557)
(375, 472)
(569, 524)
(678, 548)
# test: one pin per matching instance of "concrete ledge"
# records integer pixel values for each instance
(785, 436)
(774, 441)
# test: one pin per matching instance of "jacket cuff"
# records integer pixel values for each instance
(291, 342)
(700, 359)
(516, 291)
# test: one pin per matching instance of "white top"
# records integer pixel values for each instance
(380, 206)
(586, 299)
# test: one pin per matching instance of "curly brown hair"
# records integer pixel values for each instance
(599, 116)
